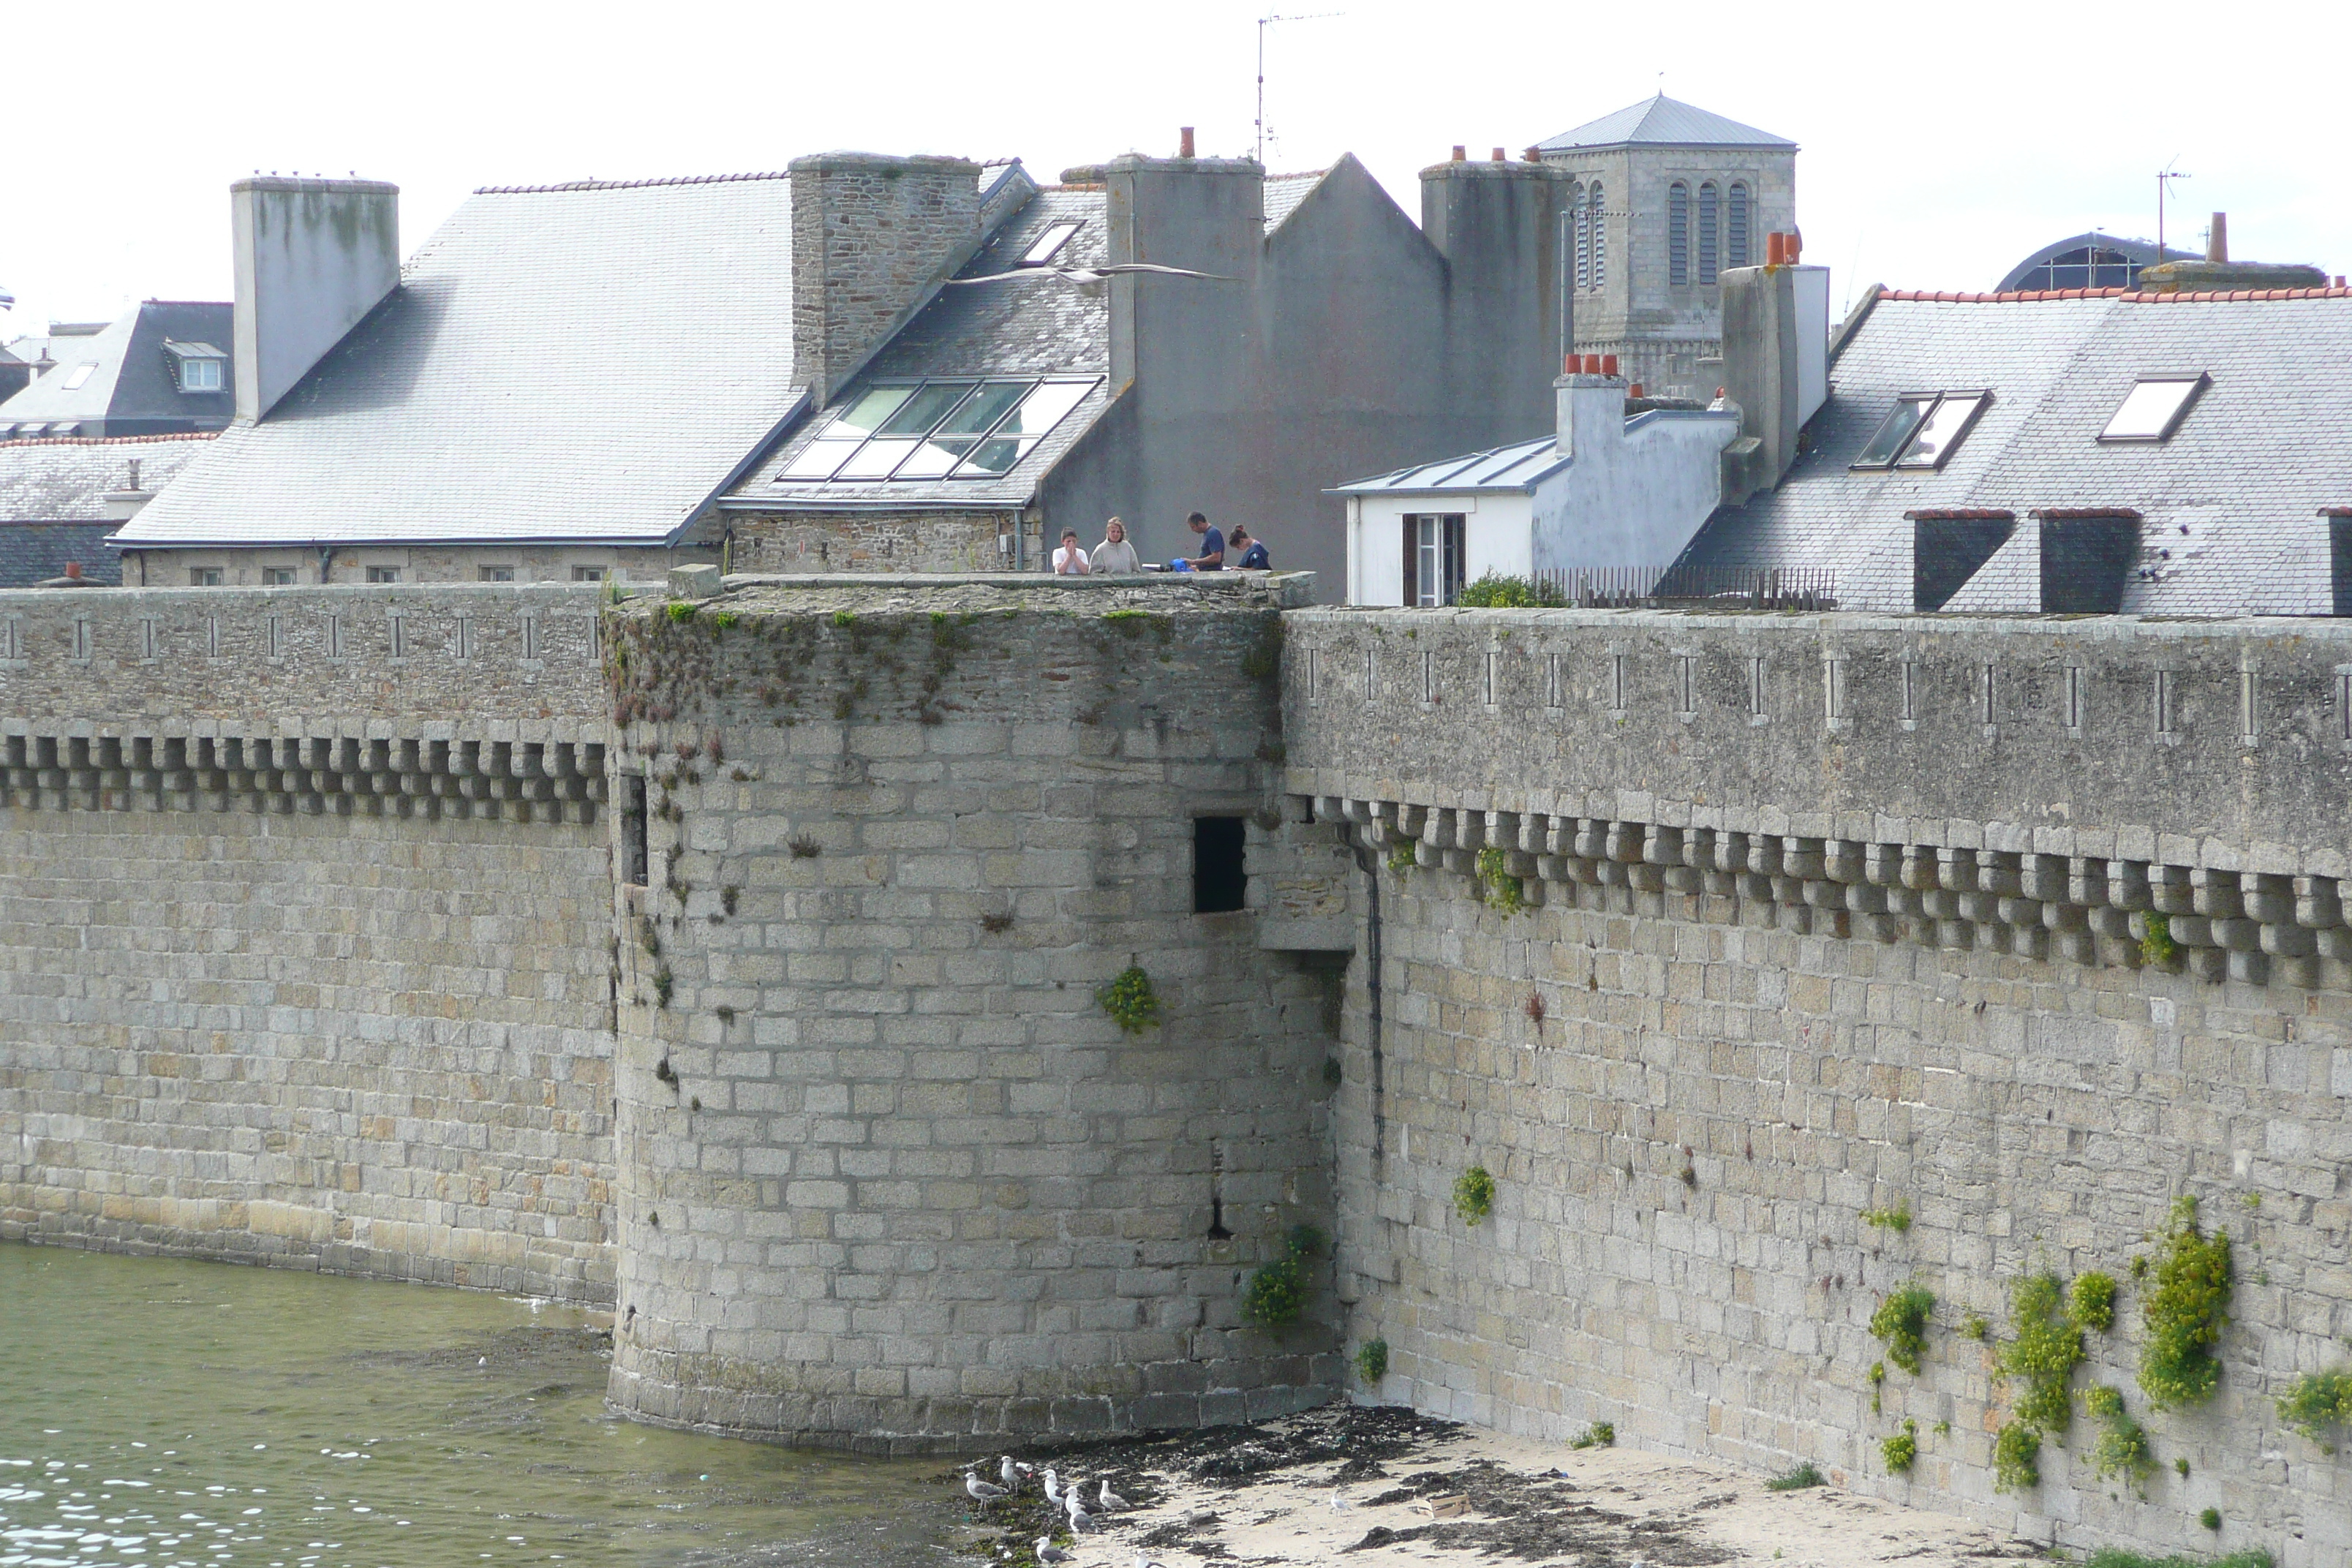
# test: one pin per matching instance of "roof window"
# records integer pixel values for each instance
(935, 430)
(1923, 430)
(1041, 249)
(2154, 407)
(80, 374)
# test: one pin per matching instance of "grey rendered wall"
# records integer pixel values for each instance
(302, 954)
(1794, 958)
(889, 1176)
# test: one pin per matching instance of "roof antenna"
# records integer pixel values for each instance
(2163, 178)
(1263, 23)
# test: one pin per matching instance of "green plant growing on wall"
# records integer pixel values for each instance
(2016, 1458)
(2317, 1402)
(845, 618)
(1493, 591)
(1474, 1194)
(1505, 893)
(1599, 1435)
(1901, 1325)
(1897, 1218)
(1372, 1362)
(2044, 1355)
(1877, 1382)
(1276, 1292)
(2210, 1518)
(680, 611)
(1264, 659)
(2091, 1301)
(663, 984)
(2122, 1452)
(1798, 1479)
(726, 620)
(1902, 1450)
(1401, 857)
(2156, 945)
(2183, 1311)
(1130, 1001)
(1974, 1327)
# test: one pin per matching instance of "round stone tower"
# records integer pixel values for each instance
(890, 1172)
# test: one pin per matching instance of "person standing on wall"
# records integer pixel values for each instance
(1212, 556)
(1254, 555)
(1069, 560)
(1115, 554)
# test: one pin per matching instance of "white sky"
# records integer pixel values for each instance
(1942, 144)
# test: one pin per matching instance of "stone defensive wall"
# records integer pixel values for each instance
(890, 1172)
(1770, 965)
(305, 896)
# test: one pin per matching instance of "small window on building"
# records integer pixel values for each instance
(203, 576)
(2154, 407)
(1736, 217)
(278, 576)
(1220, 884)
(80, 374)
(1600, 234)
(1677, 233)
(383, 573)
(200, 375)
(1710, 219)
(633, 850)
(497, 574)
(1434, 558)
(587, 574)
(1042, 249)
(1923, 430)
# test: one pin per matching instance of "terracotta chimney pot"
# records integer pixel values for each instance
(1184, 142)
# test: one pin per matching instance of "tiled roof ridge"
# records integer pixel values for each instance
(627, 185)
(111, 441)
(1960, 514)
(2129, 296)
(2085, 514)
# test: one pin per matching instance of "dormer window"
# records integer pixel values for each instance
(1042, 248)
(2155, 408)
(197, 367)
(1924, 431)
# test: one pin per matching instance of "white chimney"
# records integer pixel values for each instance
(313, 257)
(1588, 402)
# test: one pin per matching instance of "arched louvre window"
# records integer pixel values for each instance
(1600, 234)
(1583, 236)
(1677, 233)
(1734, 228)
(1710, 219)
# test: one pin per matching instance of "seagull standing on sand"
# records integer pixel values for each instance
(1080, 1520)
(981, 1491)
(1049, 1553)
(1052, 1486)
(1084, 276)
(1112, 1501)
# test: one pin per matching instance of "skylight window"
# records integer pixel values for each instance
(2154, 408)
(935, 430)
(1041, 249)
(1923, 430)
(80, 374)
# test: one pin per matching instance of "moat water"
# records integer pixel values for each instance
(155, 1412)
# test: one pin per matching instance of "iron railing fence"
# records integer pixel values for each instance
(1689, 585)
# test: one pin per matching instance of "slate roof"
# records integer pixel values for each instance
(33, 553)
(1664, 121)
(1039, 327)
(132, 391)
(1515, 468)
(585, 362)
(1286, 193)
(61, 480)
(2229, 504)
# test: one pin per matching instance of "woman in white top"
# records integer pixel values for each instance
(1069, 560)
(1115, 554)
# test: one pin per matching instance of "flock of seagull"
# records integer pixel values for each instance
(1071, 1500)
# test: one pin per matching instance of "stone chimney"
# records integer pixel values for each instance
(873, 236)
(1775, 364)
(1498, 226)
(2217, 241)
(1589, 400)
(1205, 214)
(122, 505)
(313, 257)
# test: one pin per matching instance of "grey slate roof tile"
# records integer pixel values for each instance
(1664, 121)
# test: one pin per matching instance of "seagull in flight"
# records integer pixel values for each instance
(1083, 276)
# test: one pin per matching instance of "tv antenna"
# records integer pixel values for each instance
(2164, 177)
(1263, 23)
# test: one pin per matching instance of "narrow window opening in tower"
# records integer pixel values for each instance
(1677, 233)
(634, 855)
(1220, 881)
(1709, 222)
(1735, 227)
(1583, 236)
(1600, 234)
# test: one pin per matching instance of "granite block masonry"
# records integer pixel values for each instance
(735, 959)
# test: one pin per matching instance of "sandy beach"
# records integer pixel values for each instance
(1383, 1485)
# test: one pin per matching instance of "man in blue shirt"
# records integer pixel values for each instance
(1212, 556)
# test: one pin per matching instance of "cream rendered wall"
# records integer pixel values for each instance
(1495, 537)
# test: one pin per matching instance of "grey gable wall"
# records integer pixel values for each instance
(1351, 343)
